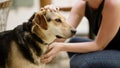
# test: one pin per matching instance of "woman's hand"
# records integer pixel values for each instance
(53, 50)
(51, 8)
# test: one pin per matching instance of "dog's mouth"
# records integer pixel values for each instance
(59, 36)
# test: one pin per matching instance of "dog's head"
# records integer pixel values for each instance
(49, 25)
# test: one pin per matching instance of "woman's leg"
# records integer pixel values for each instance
(100, 59)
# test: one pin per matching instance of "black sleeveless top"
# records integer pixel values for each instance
(94, 17)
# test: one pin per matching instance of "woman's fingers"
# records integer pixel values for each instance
(47, 59)
(51, 8)
(53, 49)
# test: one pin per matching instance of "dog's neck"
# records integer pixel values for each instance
(44, 38)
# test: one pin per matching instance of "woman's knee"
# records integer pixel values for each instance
(100, 59)
(73, 62)
(77, 61)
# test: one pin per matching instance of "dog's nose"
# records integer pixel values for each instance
(73, 31)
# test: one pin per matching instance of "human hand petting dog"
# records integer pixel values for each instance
(51, 7)
(53, 50)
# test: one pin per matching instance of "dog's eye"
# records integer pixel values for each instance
(48, 19)
(58, 20)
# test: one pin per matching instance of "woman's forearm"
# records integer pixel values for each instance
(80, 47)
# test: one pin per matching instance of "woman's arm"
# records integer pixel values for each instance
(108, 29)
(110, 23)
(77, 13)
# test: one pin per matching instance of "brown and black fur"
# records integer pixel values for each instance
(23, 41)
(23, 46)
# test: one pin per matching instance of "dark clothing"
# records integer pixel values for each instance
(94, 17)
(108, 58)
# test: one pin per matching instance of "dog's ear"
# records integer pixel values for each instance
(41, 21)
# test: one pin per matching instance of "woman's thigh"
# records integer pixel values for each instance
(100, 59)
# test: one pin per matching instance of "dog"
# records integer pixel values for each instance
(23, 46)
